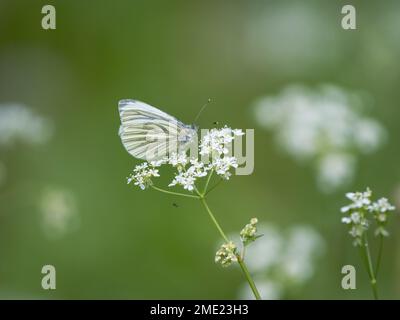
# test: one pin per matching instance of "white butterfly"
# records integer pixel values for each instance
(148, 133)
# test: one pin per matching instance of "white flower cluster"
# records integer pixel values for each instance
(59, 212)
(18, 122)
(142, 175)
(226, 254)
(187, 177)
(282, 261)
(325, 126)
(217, 141)
(229, 253)
(358, 211)
(214, 144)
(249, 232)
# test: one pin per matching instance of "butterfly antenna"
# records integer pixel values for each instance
(202, 109)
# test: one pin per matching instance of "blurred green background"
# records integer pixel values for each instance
(124, 243)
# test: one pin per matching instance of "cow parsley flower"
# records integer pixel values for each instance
(380, 210)
(178, 160)
(142, 175)
(360, 210)
(359, 200)
(216, 141)
(59, 212)
(325, 126)
(184, 178)
(381, 206)
(357, 217)
(249, 232)
(223, 165)
(226, 254)
(158, 163)
(19, 123)
(215, 146)
(187, 177)
(199, 169)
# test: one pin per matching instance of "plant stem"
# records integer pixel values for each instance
(371, 273)
(208, 181)
(249, 278)
(201, 197)
(378, 261)
(239, 259)
(221, 232)
(243, 254)
(214, 186)
(176, 193)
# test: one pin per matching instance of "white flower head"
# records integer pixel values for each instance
(142, 175)
(197, 168)
(382, 205)
(304, 246)
(187, 177)
(346, 220)
(358, 211)
(158, 163)
(334, 170)
(298, 119)
(249, 233)
(359, 200)
(59, 212)
(226, 254)
(217, 141)
(178, 160)
(19, 123)
(223, 165)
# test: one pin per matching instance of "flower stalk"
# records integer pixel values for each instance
(239, 257)
(189, 170)
(358, 216)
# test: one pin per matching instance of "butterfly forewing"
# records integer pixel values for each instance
(149, 133)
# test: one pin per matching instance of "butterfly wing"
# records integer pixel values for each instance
(147, 132)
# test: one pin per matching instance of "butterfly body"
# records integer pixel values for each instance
(150, 134)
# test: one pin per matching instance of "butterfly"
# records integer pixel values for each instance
(150, 134)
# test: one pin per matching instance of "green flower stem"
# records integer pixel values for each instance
(243, 252)
(213, 187)
(221, 232)
(370, 268)
(239, 259)
(201, 197)
(175, 193)
(208, 181)
(249, 278)
(378, 261)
